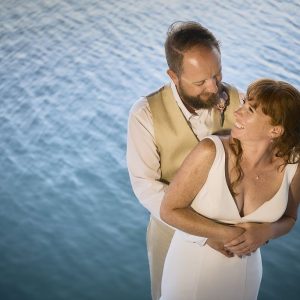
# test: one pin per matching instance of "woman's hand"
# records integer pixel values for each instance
(254, 236)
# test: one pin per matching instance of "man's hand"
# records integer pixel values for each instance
(254, 236)
(230, 232)
(219, 246)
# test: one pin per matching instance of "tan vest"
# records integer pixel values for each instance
(173, 135)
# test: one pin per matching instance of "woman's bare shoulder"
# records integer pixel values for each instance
(205, 147)
(204, 153)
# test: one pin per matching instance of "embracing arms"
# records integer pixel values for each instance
(176, 209)
(143, 162)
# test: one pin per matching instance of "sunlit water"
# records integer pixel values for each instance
(70, 226)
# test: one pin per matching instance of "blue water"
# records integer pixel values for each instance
(70, 226)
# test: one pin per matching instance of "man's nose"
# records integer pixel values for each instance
(211, 85)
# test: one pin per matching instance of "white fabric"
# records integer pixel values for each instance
(193, 272)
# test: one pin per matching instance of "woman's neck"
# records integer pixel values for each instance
(257, 155)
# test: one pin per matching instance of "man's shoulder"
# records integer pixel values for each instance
(158, 91)
(142, 105)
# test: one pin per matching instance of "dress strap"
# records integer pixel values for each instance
(291, 170)
(219, 162)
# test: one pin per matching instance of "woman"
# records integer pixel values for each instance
(225, 186)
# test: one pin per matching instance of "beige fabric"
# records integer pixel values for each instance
(159, 237)
(174, 139)
(173, 135)
(170, 127)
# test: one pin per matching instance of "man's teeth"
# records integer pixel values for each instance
(238, 125)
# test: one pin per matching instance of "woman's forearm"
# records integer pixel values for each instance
(188, 220)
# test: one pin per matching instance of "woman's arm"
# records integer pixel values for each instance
(256, 235)
(176, 207)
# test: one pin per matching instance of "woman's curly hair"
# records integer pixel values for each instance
(281, 102)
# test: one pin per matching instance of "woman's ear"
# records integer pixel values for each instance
(276, 131)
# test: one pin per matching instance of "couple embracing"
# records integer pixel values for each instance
(215, 196)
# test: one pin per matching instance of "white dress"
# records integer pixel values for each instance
(195, 272)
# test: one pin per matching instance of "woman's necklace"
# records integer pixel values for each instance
(259, 175)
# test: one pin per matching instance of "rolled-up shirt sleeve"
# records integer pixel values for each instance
(143, 159)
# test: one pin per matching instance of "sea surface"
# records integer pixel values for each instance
(70, 226)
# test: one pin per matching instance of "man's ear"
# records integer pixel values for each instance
(173, 76)
(276, 131)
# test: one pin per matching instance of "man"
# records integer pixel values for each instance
(166, 125)
(158, 143)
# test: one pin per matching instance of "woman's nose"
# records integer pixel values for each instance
(238, 111)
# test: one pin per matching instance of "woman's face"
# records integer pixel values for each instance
(251, 124)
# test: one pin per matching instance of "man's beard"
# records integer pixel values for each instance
(198, 102)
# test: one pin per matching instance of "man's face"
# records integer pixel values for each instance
(199, 83)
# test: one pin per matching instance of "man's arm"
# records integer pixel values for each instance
(143, 159)
(143, 162)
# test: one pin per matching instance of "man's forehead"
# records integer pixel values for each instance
(204, 59)
(201, 51)
(196, 73)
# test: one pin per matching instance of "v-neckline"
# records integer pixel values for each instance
(232, 198)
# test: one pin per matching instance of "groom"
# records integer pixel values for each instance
(166, 125)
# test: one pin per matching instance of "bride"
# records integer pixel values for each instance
(225, 187)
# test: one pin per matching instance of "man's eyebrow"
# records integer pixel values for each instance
(199, 81)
